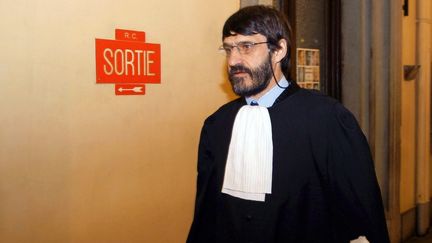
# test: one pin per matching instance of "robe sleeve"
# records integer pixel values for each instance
(200, 225)
(352, 189)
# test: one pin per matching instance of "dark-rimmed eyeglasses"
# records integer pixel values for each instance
(244, 47)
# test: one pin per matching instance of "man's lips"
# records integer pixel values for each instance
(239, 73)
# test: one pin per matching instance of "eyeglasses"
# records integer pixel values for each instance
(244, 47)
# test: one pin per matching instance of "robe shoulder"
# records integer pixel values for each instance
(225, 110)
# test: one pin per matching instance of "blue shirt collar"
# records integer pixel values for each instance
(268, 99)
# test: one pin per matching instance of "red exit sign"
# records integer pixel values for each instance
(128, 60)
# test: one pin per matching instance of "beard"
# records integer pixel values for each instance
(259, 76)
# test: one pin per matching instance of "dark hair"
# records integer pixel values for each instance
(264, 20)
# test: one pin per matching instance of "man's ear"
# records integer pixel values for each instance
(281, 52)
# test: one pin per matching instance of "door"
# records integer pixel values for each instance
(316, 59)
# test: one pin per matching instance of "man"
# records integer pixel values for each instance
(295, 168)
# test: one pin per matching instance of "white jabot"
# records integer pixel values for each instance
(361, 239)
(249, 167)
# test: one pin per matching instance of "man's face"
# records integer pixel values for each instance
(249, 72)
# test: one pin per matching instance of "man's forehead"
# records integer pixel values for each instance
(235, 37)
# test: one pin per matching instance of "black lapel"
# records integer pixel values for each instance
(292, 88)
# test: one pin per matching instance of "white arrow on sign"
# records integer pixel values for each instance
(134, 89)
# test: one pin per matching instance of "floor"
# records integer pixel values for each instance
(425, 239)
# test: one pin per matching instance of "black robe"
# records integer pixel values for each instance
(324, 186)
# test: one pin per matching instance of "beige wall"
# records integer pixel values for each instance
(79, 164)
(408, 108)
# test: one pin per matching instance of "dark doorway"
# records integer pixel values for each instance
(316, 51)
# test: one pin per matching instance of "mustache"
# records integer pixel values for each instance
(239, 69)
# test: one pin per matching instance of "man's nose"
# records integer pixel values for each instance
(235, 57)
